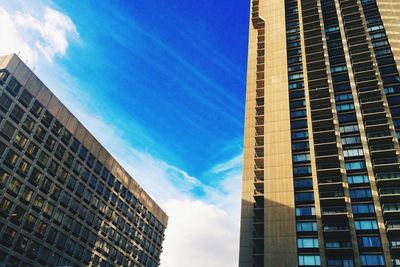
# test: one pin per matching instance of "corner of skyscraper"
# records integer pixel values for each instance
(321, 172)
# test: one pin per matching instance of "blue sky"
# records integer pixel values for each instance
(174, 69)
(161, 84)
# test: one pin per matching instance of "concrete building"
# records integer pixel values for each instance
(64, 200)
(321, 178)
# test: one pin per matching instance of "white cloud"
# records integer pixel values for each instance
(45, 32)
(12, 40)
(198, 235)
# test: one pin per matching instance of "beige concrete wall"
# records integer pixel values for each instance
(246, 223)
(280, 222)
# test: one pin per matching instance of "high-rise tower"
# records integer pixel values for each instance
(321, 178)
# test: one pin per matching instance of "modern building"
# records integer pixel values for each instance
(64, 200)
(321, 179)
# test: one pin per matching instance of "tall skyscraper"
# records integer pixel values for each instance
(321, 179)
(64, 200)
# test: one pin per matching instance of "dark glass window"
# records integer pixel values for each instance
(36, 109)
(25, 98)
(8, 130)
(5, 103)
(13, 87)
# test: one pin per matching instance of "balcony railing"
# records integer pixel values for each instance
(333, 210)
(388, 176)
(331, 194)
(389, 191)
(391, 208)
(336, 227)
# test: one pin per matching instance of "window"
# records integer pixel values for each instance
(298, 124)
(43, 159)
(50, 143)
(5, 103)
(47, 119)
(360, 193)
(38, 202)
(16, 114)
(309, 260)
(41, 228)
(349, 128)
(372, 260)
(346, 118)
(8, 130)
(302, 171)
(333, 262)
(299, 135)
(30, 222)
(36, 109)
(355, 165)
(13, 87)
(11, 158)
(345, 107)
(75, 145)
(298, 114)
(24, 167)
(357, 179)
(304, 196)
(22, 241)
(343, 97)
(301, 157)
(9, 236)
(366, 224)
(28, 124)
(32, 150)
(305, 211)
(20, 140)
(3, 76)
(357, 152)
(25, 98)
(303, 183)
(4, 177)
(33, 249)
(301, 146)
(306, 226)
(363, 208)
(14, 186)
(370, 241)
(5, 206)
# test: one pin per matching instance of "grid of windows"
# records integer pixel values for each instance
(60, 205)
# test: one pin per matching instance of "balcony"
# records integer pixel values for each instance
(381, 164)
(383, 136)
(336, 229)
(386, 150)
(394, 191)
(338, 245)
(391, 211)
(339, 212)
(330, 182)
(388, 179)
(331, 196)
(393, 227)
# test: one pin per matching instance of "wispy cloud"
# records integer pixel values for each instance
(33, 34)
